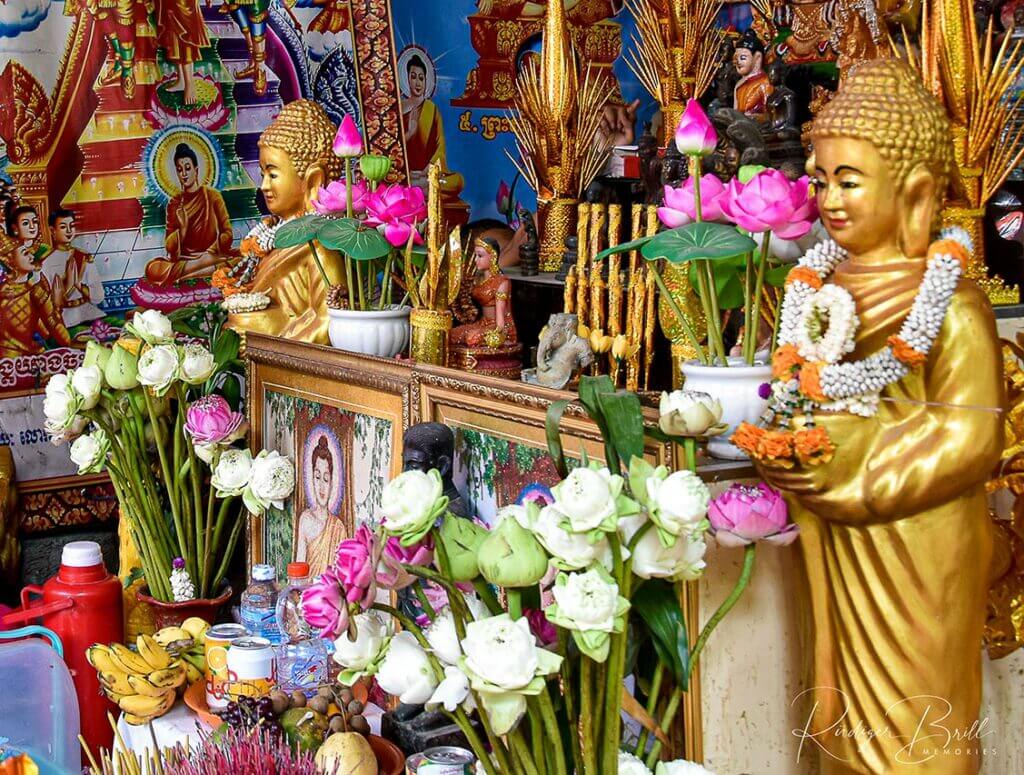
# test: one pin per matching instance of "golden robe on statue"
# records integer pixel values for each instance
(298, 298)
(181, 30)
(886, 525)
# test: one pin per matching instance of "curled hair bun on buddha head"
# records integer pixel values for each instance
(306, 133)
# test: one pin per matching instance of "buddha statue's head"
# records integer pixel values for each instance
(748, 57)
(297, 157)
(881, 163)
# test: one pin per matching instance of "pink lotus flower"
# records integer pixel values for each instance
(504, 198)
(348, 142)
(679, 207)
(355, 567)
(544, 631)
(211, 421)
(695, 136)
(390, 573)
(324, 606)
(331, 200)
(396, 209)
(771, 202)
(743, 514)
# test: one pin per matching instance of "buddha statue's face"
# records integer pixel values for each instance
(858, 196)
(747, 62)
(284, 189)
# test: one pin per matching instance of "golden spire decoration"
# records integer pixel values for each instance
(674, 56)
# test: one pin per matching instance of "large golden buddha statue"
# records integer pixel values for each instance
(896, 537)
(296, 159)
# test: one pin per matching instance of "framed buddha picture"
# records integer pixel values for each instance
(340, 418)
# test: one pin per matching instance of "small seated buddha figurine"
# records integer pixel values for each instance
(296, 159)
(753, 89)
(895, 533)
(487, 344)
(782, 123)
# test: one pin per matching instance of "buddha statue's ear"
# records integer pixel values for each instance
(918, 203)
(314, 178)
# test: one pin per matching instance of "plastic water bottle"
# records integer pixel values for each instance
(259, 603)
(302, 656)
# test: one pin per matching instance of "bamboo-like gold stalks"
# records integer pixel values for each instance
(569, 294)
(634, 304)
(650, 301)
(582, 278)
(614, 278)
(597, 308)
(435, 240)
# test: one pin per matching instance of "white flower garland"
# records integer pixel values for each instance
(827, 325)
(856, 386)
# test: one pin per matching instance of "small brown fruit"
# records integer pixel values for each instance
(355, 707)
(338, 724)
(298, 699)
(319, 704)
(359, 724)
(280, 702)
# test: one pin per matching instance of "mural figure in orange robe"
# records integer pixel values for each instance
(181, 33)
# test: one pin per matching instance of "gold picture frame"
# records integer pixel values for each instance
(288, 384)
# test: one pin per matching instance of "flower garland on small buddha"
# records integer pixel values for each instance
(817, 327)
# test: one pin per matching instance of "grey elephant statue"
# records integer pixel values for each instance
(561, 351)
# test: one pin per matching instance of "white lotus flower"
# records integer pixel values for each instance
(678, 503)
(89, 452)
(152, 327)
(159, 367)
(271, 480)
(630, 765)
(681, 767)
(588, 499)
(360, 657)
(521, 514)
(442, 635)
(690, 413)
(569, 551)
(590, 605)
(197, 364)
(231, 476)
(87, 382)
(653, 560)
(411, 503)
(61, 404)
(405, 671)
(452, 692)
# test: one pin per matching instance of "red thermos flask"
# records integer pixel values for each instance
(83, 605)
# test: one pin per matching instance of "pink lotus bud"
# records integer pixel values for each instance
(743, 514)
(324, 606)
(390, 573)
(695, 136)
(354, 567)
(348, 142)
(211, 421)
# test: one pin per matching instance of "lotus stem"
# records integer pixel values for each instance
(753, 321)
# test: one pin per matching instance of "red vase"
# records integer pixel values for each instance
(173, 614)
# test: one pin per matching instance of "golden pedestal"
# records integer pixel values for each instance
(505, 361)
(429, 329)
(558, 221)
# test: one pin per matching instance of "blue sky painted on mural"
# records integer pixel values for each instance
(18, 16)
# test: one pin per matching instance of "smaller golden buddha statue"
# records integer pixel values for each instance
(487, 340)
(754, 87)
(296, 159)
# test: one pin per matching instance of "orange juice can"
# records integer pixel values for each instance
(251, 670)
(218, 639)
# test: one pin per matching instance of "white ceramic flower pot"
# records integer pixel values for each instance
(384, 333)
(736, 387)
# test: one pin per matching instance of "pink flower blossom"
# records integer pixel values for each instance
(743, 514)
(544, 631)
(390, 573)
(331, 200)
(348, 142)
(396, 209)
(211, 421)
(504, 198)
(695, 136)
(771, 202)
(355, 567)
(679, 207)
(324, 606)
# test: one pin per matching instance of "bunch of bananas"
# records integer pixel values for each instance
(144, 684)
(187, 643)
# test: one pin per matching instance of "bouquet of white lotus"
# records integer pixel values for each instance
(591, 580)
(152, 414)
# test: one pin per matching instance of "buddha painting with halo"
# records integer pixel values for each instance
(296, 159)
(895, 533)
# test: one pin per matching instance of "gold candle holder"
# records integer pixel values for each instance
(582, 226)
(614, 278)
(598, 214)
(557, 216)
(429, 329)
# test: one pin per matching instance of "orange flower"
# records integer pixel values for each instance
(747, 437)
(813, 446)
(804, 274)
(776, 449)
(785, 359)
(906, 354)
(810, 381)
(950, 247)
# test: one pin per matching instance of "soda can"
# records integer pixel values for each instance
(447, 760)
(250, 668)
(218, 639)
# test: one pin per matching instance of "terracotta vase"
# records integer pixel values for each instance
(390, 759)
(173, 614)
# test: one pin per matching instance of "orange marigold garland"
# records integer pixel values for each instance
(775, 449)
(813, 446)
(747, 437)
(804, 274)
(785, 359)
(810, 381)
(906, 354)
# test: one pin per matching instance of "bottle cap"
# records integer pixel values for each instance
(298, 570)
(81, 554)
(263, 572)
